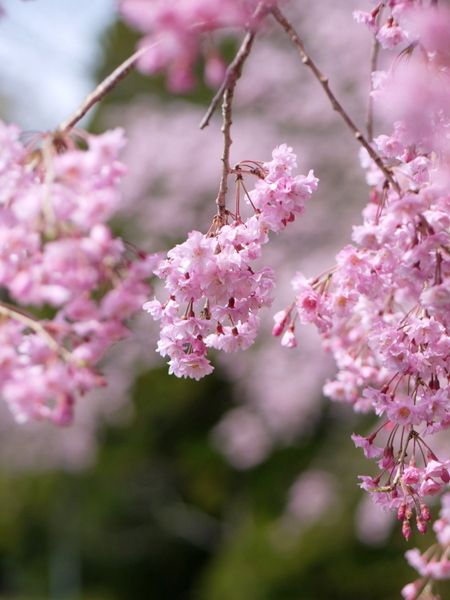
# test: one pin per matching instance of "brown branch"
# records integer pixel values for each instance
(375, 50)
(103, 88)
(12, 312)
(306, 60)
(215, 102)
(234, 71)
(373, 65)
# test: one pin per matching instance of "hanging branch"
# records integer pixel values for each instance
(373, 65)
(217, 98)
(103, 88)
(16, 314)
(306, 60)
(234, 71)
(375, 50)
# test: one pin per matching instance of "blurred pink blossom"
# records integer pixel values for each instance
(312, 494)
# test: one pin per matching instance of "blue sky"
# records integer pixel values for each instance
(48, 49)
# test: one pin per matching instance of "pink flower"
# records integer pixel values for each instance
(190, 365)
(435, 468)
(367, 19)
(370, 451)
(288, 340)
(281, 319)
(308, 305)
(411, 591)
(212, 278)
(404, 412)
(439, 569)
(417, 561)
(173, 33)
(390, 35)
(412, 475)
(430, 487)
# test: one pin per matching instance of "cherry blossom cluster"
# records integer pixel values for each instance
(68, 284)
(172, 32)
(383, 309)
(214, 293)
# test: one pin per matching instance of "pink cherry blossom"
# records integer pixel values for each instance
(370, 450)
(58, 252)
(172, 31)
(210, 276)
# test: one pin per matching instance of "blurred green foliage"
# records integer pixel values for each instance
(161, 515)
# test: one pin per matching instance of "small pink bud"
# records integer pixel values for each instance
(406, 529)
(288, 340)
(395, 493)
(388, 458)
(401, 511)
(434, 383)
(278, 329)
(281, 319)
(425, 511)
(421, 525)
(408, 513)
(409, 155)
(411, 591)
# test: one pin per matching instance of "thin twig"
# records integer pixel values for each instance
(103, 88)
(373, 67)
(306, 60)
(236, 65)
(215, 102)
(233, 73)
(11, 312)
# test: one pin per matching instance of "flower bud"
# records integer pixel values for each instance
(425, 512)
(401, 511)
(421, 525)
(406, 529)
(281, 319)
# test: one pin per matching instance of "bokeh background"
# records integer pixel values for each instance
(242, 486)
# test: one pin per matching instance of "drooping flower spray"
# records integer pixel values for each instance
(382, 309)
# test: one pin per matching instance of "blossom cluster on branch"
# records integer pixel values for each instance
(383, 309)
(68, 285)
(214, 294)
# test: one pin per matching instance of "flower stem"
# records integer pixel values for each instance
(306, 60)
